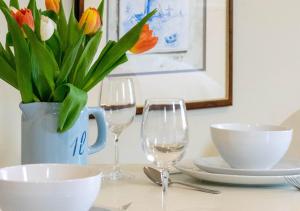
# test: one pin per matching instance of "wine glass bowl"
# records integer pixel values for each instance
(119, 117)
(118, 100)
(164, 134)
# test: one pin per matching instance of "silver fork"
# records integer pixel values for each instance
(292, 180)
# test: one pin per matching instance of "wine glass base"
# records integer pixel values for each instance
(117, 176)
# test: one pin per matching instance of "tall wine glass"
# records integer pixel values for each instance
(164, 135)
(118, 100)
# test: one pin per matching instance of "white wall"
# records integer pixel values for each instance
(266, 84)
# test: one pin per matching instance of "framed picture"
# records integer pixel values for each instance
(179, 28)
(193, 57)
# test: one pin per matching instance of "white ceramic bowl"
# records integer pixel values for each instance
(246, 146)
(48, 187)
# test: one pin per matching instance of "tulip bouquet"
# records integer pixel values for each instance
(50, 59)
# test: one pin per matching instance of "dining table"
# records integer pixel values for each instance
(146, 196)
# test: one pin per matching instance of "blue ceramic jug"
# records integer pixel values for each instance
(41, 143)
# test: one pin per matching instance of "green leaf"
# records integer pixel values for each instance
(2, 50)
(101, 73)
(8, 56)
(9, 41)
(74, 33)
(37, 17)
(32, 6)
(86, 58)
(107, 47)
(22, 58)
(101, 9)
(62, 25)
(3, 5)
(44, 65)
(14, 3)
(92, 70)
(73, 101)
(68, 61)
(115, 53)
(37, 23)
(7, 73)
(40, 85)
(51, 14)
(54, 44)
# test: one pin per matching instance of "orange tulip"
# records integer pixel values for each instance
(146, 41)
(24, 16)
(53, 5)
(91, 21)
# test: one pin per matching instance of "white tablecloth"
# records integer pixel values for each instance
(146, 196)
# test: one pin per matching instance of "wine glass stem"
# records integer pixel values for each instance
(116, 168)
(165, 183)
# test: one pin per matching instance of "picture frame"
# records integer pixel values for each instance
(160, 84)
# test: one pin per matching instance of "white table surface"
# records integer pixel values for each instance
(146, 196)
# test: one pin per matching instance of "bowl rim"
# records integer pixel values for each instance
(98, 173)
(276, 128)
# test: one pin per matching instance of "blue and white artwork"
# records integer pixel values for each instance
(170, 24)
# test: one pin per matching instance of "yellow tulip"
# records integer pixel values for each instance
(91, 21)
(53, 5)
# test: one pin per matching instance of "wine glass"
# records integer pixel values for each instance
(118, 100)
(164, 135)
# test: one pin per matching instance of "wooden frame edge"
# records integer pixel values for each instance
(79, 8)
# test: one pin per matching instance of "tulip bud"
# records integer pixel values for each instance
(53, 5)
(91, 21)
(24, 16)
(47, 28)
(146, 41)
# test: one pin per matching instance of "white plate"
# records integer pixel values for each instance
(193, 171)
(218, 166)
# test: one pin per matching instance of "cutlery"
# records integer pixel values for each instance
(292, 180)
(155, 176)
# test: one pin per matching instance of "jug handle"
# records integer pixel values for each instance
(99, 115)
